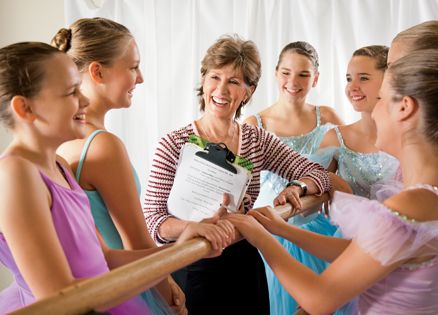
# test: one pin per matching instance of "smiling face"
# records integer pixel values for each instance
(295, 75)
(363, 83)
(121, 77)
(224, 90)
(59, 106)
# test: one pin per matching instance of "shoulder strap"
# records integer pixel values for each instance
(84, 152)
(318, 116)
(259, 120)
(340, 139)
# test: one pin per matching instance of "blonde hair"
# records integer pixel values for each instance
(416, 75)
(93, 39)
(420, 36)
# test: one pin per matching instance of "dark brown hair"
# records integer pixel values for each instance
(93, 39)
(21, 73)
(232, 50)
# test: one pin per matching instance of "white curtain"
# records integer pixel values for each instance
(173, 36)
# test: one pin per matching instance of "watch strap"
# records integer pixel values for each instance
(300, 184)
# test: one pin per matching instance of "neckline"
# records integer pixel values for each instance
(64, 174)
(318, 125)
(63, 171)
(348, 149)
(239, 131)
(301, 135)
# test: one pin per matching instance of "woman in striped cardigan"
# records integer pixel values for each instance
(230, 72)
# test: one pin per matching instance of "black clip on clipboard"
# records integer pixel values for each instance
(219, 154)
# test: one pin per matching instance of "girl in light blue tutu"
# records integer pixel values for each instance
(302, 127)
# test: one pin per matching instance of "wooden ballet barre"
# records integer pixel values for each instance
(97, 293)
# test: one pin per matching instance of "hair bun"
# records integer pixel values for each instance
(62, 39)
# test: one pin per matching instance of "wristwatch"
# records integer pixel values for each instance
(298, 183)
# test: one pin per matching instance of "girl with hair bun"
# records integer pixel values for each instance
(108, 59)
(418, 37)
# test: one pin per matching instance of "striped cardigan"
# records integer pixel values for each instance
(262, 148)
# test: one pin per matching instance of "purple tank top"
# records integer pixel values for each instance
(76, 231)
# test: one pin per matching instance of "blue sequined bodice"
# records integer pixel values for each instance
(362, 170)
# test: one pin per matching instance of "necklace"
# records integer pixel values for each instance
(209, 137)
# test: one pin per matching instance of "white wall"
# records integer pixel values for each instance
(26, 20)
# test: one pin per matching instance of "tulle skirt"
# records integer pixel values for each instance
(281, 302)
(156, 303)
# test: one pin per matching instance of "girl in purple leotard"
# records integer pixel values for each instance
(47, 233)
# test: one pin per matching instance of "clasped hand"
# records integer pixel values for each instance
(220, 228)
(219, 231)
(291, 195)
(257, 224)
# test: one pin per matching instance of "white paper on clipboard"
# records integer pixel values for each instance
(199, 185)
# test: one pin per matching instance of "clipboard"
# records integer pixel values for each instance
(201, 178)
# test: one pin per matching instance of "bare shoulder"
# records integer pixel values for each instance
(330, 139)
(329, 115)
(106, 160)
(251, 120)
(20, 178)
(420, 204)
(106, 147)
(16, 168)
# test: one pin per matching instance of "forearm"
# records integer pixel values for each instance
(165, 291)
(134, 233)
(324, 247)
(172, 228)
(290, 165)
(116, 257)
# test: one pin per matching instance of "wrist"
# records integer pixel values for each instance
(300, 184)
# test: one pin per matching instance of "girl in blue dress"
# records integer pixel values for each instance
(301, 126)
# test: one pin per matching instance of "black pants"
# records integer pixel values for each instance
(234, 283)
